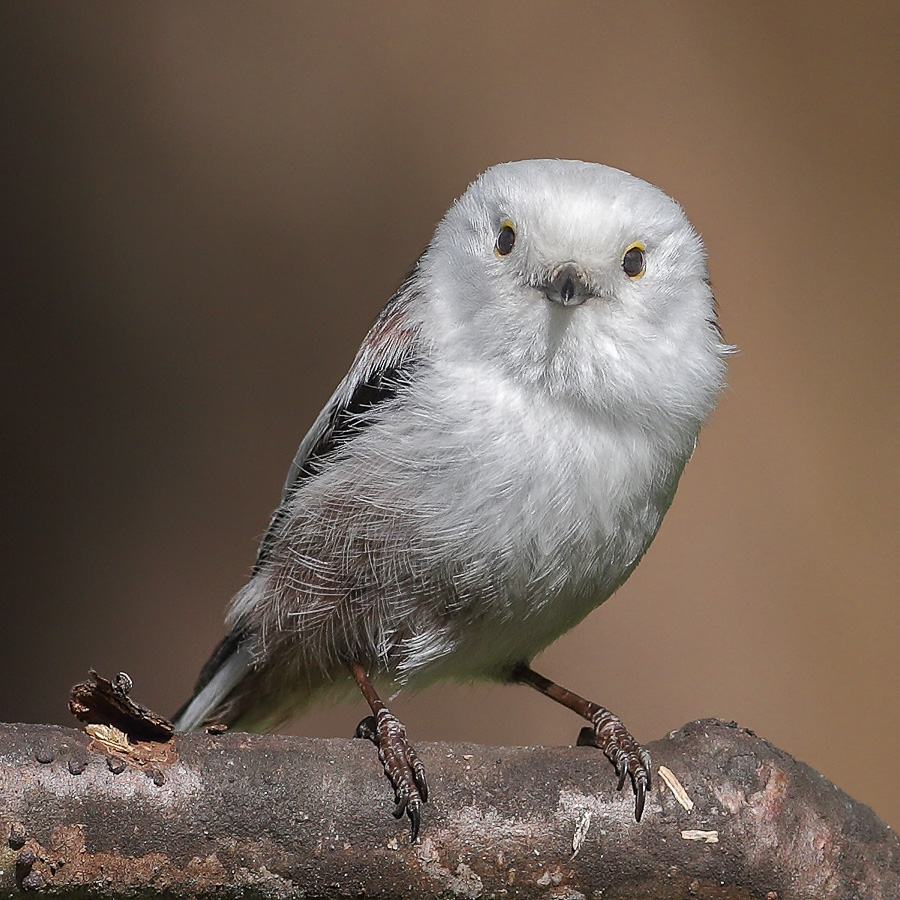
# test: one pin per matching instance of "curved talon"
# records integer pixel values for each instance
(413, 810)
(640, 795)
(412, 806)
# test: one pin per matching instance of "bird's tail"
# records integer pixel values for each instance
(215, 695)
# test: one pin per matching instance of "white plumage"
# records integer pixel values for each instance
(499, 456)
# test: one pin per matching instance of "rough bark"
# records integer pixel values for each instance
(244, 815)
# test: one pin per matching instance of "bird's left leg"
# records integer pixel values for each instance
(402, 766)
(607, 733)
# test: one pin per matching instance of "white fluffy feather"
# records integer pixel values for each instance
(518, 467)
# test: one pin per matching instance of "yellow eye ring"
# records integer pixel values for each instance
(506, 239)
(633, 261)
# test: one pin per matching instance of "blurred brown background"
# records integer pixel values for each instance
(207, 204)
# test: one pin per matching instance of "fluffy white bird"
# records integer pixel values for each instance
(493, 466)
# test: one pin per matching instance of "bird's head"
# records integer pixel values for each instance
(579, 278)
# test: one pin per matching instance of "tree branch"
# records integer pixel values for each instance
(245, 815)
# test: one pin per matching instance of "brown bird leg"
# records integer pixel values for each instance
(401, 765)
(607, 733)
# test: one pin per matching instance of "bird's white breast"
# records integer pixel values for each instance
(538, 509)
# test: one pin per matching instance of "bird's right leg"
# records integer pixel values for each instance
(402, 766)
(606, 733)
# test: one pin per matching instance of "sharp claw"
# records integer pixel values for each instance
(623, 774)
(400, 807)
(415, 820)
(640, 786)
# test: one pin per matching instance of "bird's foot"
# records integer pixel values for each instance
(402, 765)
(606, 732)
(630, 759)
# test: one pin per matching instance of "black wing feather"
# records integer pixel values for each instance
(385, 362)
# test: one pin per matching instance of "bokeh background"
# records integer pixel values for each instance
(205, 206)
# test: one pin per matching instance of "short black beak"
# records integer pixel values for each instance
(567, 287)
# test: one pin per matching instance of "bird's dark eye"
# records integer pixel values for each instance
(633, 261)
(506, 240)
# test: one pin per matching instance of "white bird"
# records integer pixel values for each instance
(493, 466)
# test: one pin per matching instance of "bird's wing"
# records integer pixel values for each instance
(383, 363)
